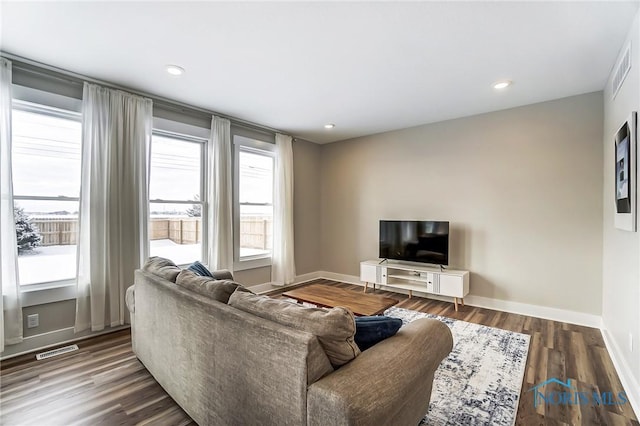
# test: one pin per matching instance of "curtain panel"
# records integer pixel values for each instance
(11, 320)
(283, 269)
(116, 136)
(220, 195)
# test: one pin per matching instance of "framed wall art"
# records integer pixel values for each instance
(625, 175)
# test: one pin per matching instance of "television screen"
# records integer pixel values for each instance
(415, 241)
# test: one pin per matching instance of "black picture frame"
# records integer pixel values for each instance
(623, 177)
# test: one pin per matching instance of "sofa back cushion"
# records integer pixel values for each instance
(334, 328)
(219, 290)
(164, 268)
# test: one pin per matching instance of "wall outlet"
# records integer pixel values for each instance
(630, 342)
(33, 320)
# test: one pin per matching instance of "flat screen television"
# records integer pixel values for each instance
(415, 241)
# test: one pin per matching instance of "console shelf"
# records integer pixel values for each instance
(425, 279)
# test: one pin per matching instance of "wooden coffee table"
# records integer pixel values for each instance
(330, 296)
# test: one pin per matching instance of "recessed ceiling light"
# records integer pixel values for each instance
(502, 84)
(175, 70)
(329, 126)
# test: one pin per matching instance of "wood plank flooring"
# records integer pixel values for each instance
(101, 384)
(104, 384)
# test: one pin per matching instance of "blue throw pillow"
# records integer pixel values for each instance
(199, 269)
(371, 330)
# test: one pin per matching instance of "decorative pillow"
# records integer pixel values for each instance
(219, 290)
(334, 328)
(371, 330)
(162, 267)
(199, 269)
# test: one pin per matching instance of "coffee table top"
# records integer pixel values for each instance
(330, 296)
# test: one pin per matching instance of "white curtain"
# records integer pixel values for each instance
(11, 320)
(116, 137)
(283, 269)
(220, 235)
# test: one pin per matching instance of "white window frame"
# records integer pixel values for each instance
(52, 291)
(48, 104)
(262, 147)
(190, 134)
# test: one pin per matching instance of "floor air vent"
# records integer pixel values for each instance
(56, 352)
(621, 71)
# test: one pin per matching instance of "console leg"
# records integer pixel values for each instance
(462, 301)
(410, 294)
(455, 302)
(366, 284)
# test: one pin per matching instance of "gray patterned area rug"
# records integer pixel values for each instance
(479, 382)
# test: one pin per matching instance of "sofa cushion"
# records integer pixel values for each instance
(374, 329)
(219, 290)
(162, 267)
(334, 328)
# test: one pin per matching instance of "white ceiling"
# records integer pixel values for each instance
(368, 67)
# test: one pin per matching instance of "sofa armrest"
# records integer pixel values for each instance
(388, 384)
(130, 299)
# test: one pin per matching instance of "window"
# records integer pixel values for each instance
(46, 186)
(253, 197)
(177, 204)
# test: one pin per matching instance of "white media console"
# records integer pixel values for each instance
(425, 279)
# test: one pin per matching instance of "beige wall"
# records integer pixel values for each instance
(621, 249)
(522, 189)
(306, 210)
(250, 277)
(52, 316)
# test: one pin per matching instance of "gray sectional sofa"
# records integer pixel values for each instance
(226, 366)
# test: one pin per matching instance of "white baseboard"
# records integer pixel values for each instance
(349, 279)
(629, 383)
(52, 339)
(554, 314)
(545, 312)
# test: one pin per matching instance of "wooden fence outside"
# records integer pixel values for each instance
(179, 230)
(57, 231)
(255, 231)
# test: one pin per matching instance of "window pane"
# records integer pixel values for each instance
(175, 169)
(46, 235)
(256, 225)
(175, 232)
(256, 178)
(46, 155)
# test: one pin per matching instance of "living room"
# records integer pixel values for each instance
(524, 175)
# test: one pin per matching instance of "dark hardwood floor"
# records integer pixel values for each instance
(104, 384)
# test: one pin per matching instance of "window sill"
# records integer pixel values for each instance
(243, 265)
(39, 294)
